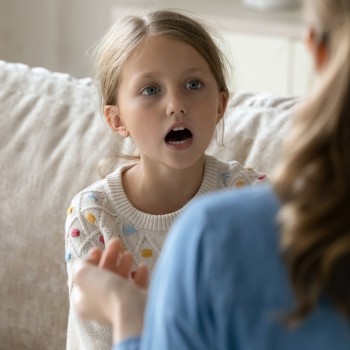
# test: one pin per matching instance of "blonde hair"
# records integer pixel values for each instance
(313, 178)
(124, 36)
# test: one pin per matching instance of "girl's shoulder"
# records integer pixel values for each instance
(234, 174)
(92, 194)
(242, 175)
(100, 190)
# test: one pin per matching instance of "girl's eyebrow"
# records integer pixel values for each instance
(195, 70)
(142, 78)
(153, 74)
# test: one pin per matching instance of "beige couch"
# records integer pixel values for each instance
(51, 139)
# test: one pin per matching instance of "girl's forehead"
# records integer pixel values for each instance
(164, 59)
(156, 49)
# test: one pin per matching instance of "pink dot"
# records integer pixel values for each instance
(102, 239)
(75, 233)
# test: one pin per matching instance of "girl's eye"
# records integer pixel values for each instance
(194, 85)
(150, 90)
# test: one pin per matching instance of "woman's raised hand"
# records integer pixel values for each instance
(104, 291)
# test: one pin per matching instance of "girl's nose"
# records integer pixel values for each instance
(175, 111)
(176, 106)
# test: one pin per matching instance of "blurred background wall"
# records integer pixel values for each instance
(55, 34)
(264, 47)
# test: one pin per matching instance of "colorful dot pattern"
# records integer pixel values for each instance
(92, 219)
(135, 240)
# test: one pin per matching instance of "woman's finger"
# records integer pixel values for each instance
(93, 256)
(111, 255)
(125, 264)
(141, 276)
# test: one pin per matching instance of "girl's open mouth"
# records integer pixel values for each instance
(178, 135)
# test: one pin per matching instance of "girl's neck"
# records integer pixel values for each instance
(162, 192)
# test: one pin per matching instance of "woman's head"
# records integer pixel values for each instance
(325, 16)
(312, 179)
(328, 23)
(125, 36)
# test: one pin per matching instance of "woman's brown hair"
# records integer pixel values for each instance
(313, 178)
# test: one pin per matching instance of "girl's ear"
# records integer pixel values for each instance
(317, 47)
(222, 104)
(113, 119)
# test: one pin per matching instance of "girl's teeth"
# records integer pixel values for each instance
(178, 129)
(178, 142)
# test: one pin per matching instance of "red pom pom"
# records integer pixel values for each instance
(75, 233)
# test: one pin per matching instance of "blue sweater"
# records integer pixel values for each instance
(221, 283)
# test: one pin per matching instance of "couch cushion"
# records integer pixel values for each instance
(255, 126)
(52, 137)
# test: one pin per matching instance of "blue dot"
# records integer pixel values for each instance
(68, 256)
(92, 197)
(129, 230)
(225, 178)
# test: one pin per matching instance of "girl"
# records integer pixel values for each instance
(162, 83)
(280, 281)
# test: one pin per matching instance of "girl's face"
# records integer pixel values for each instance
(169, 103)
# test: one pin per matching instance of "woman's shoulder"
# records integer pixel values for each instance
(238, 215)
(236, 236)
(237, 205)
(235, 241)
(242, 219)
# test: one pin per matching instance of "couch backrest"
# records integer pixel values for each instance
(52, 137)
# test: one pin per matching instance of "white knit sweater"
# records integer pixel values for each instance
(102, 211)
